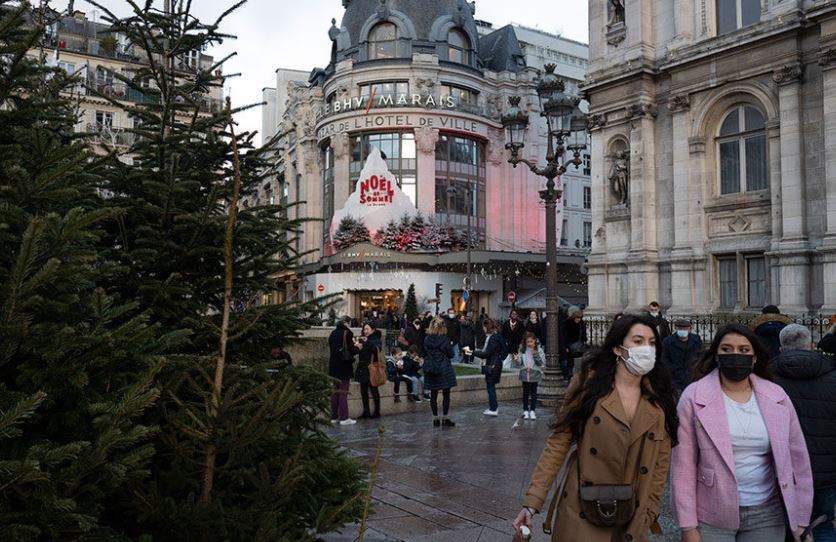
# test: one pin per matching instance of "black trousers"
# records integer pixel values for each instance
(364, 396)
(398, 384)
(529, 392)
(445, 401)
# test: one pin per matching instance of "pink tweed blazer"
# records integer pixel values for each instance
(702, 468)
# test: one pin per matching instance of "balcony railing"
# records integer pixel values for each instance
(91, 46)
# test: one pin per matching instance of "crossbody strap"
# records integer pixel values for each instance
(562, 476)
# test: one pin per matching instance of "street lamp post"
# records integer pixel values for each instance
(469, 210)
(563, 121)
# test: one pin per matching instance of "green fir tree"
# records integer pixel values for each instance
(241, 454)
(411, 305)
(77, 364)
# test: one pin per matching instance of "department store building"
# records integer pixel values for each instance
(426, 84)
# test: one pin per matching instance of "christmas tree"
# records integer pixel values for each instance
(240, 453)
(350, 231)
(411, 305)
(388, 237)
(77, 363)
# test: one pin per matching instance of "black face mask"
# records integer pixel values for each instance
(736, 367)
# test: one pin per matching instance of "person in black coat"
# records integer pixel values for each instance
(513, 331)
(535, 326)
(679, 352)
(654, 312)
(369, 345)
(467, 338)
(574, 341)
(454, 333)
(493, 352)
(412, 335)
(810, 380)
(827, 344)
(768, 328)
(438, 371)
(341, 367)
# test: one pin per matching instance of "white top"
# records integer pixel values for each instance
(753, 467)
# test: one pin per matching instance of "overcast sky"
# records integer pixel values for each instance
(294, 34)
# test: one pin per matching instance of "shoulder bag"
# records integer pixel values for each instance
(608, 505)
(377, 370)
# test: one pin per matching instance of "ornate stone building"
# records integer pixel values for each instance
(419, 82)
(714, 155)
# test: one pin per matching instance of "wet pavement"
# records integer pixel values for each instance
(462, 484)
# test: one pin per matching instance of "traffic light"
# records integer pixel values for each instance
(438, 290)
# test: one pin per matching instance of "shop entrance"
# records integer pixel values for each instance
(380, 301)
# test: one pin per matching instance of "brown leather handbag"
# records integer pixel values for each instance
(377, 370)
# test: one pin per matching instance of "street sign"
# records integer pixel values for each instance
(512, 297)
(466, 295)
(320, 288)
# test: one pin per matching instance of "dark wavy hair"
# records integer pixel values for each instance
(708, 362)
(597, 377)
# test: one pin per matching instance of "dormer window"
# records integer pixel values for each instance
(458, 47)
(383, 41)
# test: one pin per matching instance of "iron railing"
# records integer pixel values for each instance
(705, 326)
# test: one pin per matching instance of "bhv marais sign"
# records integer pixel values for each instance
(376, 199)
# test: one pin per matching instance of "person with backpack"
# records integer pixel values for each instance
(494, 351)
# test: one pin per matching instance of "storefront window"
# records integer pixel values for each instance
(397, 149)
(460, 182)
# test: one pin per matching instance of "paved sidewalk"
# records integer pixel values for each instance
(462, 484)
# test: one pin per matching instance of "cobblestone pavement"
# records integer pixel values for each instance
(462, 484)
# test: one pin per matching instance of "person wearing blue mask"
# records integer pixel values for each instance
(679, 352)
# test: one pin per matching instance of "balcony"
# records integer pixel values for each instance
(111, 135)
(91, 46)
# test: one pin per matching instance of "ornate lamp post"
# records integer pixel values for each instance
(564, 121)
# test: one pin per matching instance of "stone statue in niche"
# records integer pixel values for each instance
(619, 177)
(616, 12)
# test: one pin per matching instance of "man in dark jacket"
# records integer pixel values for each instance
(810, 380)
(679, 352)
(768, 326)
(513, 331)
(341, 366)
(654, 312)
(454, 333)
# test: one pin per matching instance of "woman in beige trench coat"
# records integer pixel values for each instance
(621, 410)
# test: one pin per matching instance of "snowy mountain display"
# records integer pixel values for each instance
(377, 199)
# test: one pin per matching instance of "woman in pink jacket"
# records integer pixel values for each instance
(741, 471)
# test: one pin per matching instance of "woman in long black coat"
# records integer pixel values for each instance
(493, 352)
(341, 367)
(369, 345)
(438, 370)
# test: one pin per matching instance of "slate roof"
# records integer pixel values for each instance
(500, 51)
(422, 14)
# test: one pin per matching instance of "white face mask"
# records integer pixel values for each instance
(641, 359)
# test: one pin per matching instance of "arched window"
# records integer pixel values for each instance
(383, 41)
(741, 146)
(458, 47)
